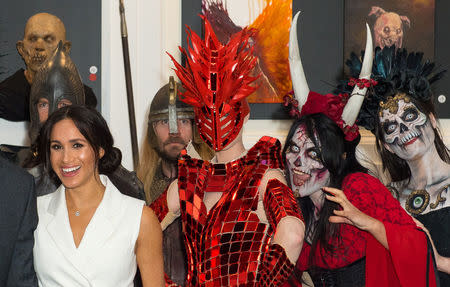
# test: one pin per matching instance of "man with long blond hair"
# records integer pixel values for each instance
(170, 129)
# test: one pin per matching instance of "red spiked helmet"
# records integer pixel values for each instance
(217, 81)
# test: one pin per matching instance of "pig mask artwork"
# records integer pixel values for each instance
(389, 27)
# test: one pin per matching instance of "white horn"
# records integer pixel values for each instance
(299, 83)
(351, 109)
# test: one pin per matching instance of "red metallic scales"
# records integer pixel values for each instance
(230, 245)
(217, 81)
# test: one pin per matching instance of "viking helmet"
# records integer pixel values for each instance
(56, 79)
(166, 105)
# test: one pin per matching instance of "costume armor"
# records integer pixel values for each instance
(217, 81)
(230, 245)
(166, 105)
(57, 79)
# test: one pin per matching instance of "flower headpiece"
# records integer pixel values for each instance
(396, 72)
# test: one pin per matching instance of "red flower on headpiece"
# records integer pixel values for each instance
(362, 83)
(330, 105)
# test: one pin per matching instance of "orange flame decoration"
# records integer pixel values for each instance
(271, 42)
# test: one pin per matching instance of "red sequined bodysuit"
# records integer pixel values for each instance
(230, 245)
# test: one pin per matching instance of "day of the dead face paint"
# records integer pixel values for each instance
(307, 173)
(407, 131)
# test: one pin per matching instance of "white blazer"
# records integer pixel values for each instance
(106, 254)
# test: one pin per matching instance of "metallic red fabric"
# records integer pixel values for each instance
(160, 207)
(230, 245)
(217, 81)
(279, 199)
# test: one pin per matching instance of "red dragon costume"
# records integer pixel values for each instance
(229, 245)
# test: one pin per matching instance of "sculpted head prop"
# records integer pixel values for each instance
(389, 27)
(42, 34)
(56, 84)
(217, 81)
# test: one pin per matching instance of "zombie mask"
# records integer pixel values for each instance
(389, 27)
(406, 129)
(307, 173)
(42, 34)
(56, 84)
(217, 81)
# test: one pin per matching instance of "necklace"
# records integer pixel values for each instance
(77, 213)
(418, 200)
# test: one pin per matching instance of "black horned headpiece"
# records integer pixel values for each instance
(396, 71)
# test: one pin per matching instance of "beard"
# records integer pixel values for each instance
(167, 156)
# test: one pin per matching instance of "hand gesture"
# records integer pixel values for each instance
(349, 213)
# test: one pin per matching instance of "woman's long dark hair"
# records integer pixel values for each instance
(398, 168)
(338, 157)
(92, 126)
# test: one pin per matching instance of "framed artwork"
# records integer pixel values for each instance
(405, 24)
(271, 21)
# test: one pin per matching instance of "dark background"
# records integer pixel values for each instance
(82, 19)
(321, 40)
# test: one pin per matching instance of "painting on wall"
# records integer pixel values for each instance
(404, 23)
(271, 22)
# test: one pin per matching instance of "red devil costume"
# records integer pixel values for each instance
(230, 244)
(358, 259)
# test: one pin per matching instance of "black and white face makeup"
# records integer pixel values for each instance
(307, 173)
(408, 132)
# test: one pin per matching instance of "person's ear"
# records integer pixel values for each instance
(20, 48)
(67, 46)
(433, 120)
(101, 153)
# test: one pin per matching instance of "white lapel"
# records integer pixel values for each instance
(104, 222)
(61, 233)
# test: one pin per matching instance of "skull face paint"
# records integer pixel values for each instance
(407, 131)
(307, 173)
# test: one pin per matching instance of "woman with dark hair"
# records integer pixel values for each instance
(377, 240)
(89, 234)
(317, 155)
(399, 110)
